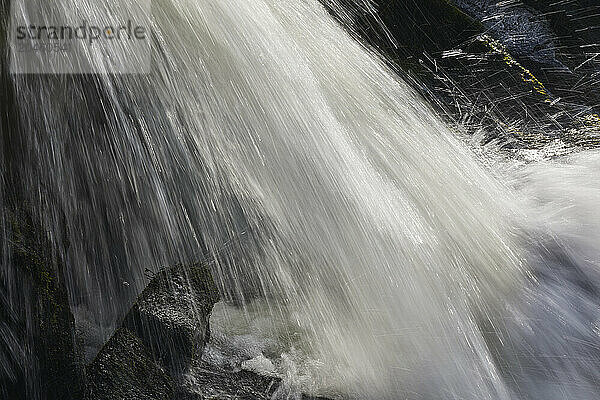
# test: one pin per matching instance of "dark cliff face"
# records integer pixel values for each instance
(38, 350)
(39, 356)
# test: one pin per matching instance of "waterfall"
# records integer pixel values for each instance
(328, 194)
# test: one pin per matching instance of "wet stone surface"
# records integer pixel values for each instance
(171, 315)
(124, 369)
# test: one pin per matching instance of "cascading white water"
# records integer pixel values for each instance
(320, 182)
(370, 247)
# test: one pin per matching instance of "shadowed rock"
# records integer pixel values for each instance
(124, 369)
(38, 350)
(163, 331)
(524, 73)
(171, 315)
(209, 381)
(162, 335)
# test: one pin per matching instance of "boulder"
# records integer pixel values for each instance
(171, 315)
(125, 370)
(157, 353)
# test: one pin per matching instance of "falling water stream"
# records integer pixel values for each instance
(362, 249)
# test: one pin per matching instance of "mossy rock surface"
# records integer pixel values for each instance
(41, 322)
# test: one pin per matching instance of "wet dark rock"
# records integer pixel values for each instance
(171, 315)
(157, 354)
(39, 356)
(521, 29)
(209, 381)
(558, 41)
(164, 330)
(124, 369)
(575, 27)
(411, 26)
(522, 73)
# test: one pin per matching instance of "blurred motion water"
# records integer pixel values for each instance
(383, 259)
